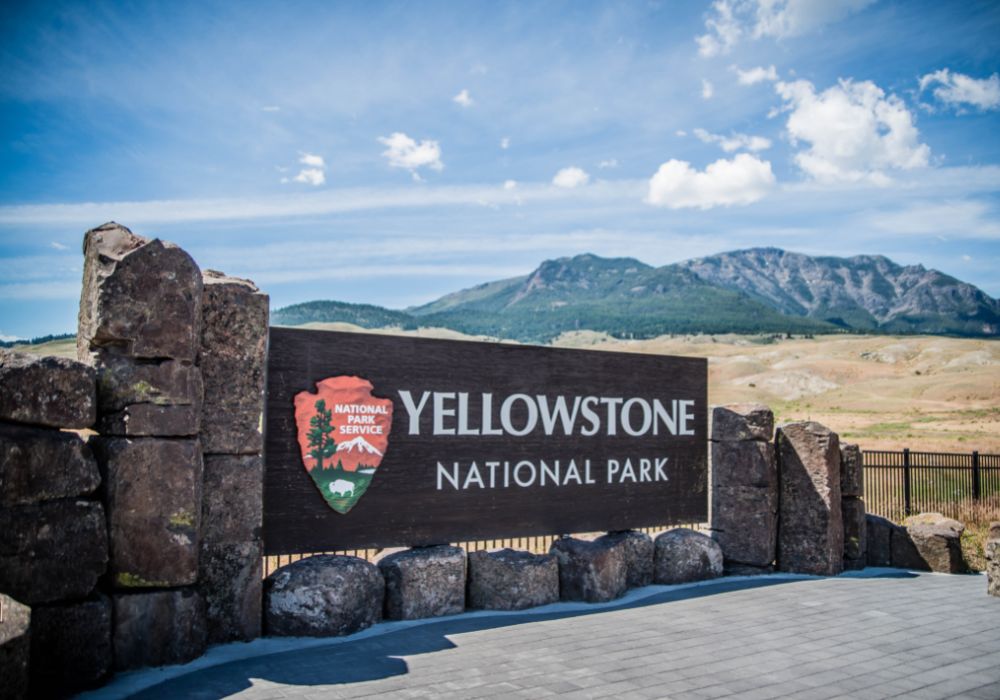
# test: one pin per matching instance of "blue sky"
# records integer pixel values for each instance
(389, 153)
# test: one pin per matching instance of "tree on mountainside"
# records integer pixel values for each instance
(320, 438)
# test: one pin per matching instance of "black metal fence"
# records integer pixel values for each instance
(899, 483)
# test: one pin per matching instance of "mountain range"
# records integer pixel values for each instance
(760, 290)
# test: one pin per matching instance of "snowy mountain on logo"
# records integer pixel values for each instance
(362, 445)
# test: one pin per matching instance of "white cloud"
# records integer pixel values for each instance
(312, 161)
(732, 20)
(505, 143)
(270, 108)
(509, 184)
(734, 142)
(609, 163)
(680, 132)
(743, 180)
(404, 152)
(310, 176)
(463, 98)
(4, 338)
(56, 245)
(756, 75)
(956, 89)
(854, 131)
(571, 177)
(313, 174)
(707, 90)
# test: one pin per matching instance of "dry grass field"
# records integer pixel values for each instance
(883, 392)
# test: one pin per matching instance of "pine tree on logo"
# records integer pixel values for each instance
(320, 438)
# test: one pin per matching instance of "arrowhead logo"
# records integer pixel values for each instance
(343, 434)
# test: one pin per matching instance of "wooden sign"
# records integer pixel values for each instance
(378, 441)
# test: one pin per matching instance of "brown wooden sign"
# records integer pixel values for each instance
(377, 441)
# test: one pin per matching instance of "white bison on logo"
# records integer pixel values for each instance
(342, 487)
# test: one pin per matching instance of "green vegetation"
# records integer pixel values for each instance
(320, 439)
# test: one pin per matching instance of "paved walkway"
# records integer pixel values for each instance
(874, 634)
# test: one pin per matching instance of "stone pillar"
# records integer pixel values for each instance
(744, 489)
(140, 327)
(811, 528)
(233, 354)
(993, 560)
(852, 505)
(53, 530)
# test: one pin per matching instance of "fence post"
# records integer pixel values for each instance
(906, 481)
(976, 485)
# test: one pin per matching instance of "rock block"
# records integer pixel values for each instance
(232, 499)
(231, 584)
(747, 570)
(681, 556)
(158, 628)
(153, 489)
(53, 550)
(424, 582)
(638, 550)
(233, 355)
(70, 646)
(745, 524)
(15, 648)
(511, 580)
(744, 463)
(141, 298)
(594, 572)
(51, 391)
(855, 533)
(149, 398)
(878, 540)
(147, 420)
(323, 596)
(852, 481)
(993, 567)
(736, 422)
(811, 535)
(39, 464)
(929, 542)
(993, 533)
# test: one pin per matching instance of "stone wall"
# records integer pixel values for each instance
(136, 540)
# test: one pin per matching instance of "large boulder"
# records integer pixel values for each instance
(231, 582)
(511, 580)
(929, 542)
(878, 540)
(15, 648)
(594, 572)
(157, 628)
(153, 495)
(638, 550)
(424, 582)
(233, 355)
(52, 391)
(855, 533)
(811, 535)
(681, 556)
(739, 422)
(55, 550)
(141, 298)
(232, 499)
(70, 646)
(323, 596)
(852, 481)
(40, 464)
(152, 398)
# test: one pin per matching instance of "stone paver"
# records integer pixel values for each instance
(865, 634)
